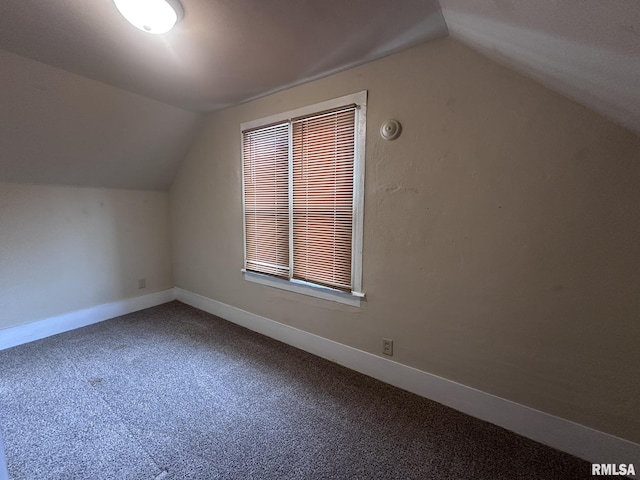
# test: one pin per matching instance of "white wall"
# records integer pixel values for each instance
(67, 248)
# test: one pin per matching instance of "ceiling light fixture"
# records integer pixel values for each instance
(152, 16)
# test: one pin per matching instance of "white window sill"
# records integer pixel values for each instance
(296, 286)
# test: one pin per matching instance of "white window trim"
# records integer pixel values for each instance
(356, 295)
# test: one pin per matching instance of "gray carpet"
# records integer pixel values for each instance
(175, 393)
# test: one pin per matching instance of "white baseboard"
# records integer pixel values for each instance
(4, 471)
(28, 332)
(578, 440)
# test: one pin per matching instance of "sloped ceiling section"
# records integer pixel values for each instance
(60, 128)
(77, 81)
(588, 50)
(222, 52)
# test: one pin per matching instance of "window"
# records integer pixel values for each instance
(303, 186)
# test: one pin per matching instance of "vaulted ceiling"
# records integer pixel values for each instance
(89, 100)
(588, 50)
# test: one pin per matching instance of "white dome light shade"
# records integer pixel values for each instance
(153, 16)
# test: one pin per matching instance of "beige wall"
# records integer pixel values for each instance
(67, 248)
(502, 234)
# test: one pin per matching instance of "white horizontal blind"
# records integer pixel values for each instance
(266, 199)
(323, 156)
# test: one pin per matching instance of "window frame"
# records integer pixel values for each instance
(354, 297)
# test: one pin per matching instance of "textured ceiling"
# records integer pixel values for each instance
(87, 99)
(588, 50)
(223, 51)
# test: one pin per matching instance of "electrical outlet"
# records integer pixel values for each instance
(142, 283)
(387, 346)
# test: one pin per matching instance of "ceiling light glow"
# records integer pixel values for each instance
(152, 16)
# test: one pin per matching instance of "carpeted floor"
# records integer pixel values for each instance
(175, 393)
